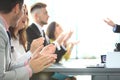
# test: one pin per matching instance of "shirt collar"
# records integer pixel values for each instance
(4, 23)
(39, 27)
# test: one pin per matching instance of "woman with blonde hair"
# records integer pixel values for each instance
(19, 40)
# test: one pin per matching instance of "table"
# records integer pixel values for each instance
(96, 73)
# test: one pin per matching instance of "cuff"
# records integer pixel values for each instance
(57, 45)
(26, 63)
(29, 70)
(114, 28)
(63, 47)
(29, 54)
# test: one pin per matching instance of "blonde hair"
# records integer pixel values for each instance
(21, 33)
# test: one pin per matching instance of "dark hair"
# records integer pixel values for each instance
(6, 6)
(51, 30)
(37, 6)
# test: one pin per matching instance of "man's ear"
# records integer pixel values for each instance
(16, 9)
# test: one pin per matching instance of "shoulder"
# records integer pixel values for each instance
(3, 36)
(2, 31)
(31, 27)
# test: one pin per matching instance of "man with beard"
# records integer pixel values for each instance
(10, 12)
(35, 30)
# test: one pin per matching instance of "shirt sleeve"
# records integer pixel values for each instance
(57, 45)
(114, 28)
(25, 57)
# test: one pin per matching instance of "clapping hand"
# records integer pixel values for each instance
(60, 38)
(43, 59)
(67, 37)
(49, 50)
(37, 43)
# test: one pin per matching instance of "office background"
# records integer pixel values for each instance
(85, 17)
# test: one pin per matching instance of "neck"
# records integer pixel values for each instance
(7, 19)
(39, 23)
(16, 32)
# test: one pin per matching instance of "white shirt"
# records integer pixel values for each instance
(19, 55)
(40, 29)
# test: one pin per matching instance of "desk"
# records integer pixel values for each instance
(96, 73)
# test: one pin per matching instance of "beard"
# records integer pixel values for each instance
(43, 22)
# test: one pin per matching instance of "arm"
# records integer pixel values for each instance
(60, 54)
(63, 50)
(69, 49)
(30, 37)
(26, 57)
(5, 72)
(116, 29)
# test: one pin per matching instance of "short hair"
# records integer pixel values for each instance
(6, 6)
(51, 30)
(37, 6)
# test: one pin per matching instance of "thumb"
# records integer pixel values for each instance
(36, 52)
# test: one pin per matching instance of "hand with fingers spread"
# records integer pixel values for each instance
(43, 59)
(67, 37)
(40, 62)
(49, 50)
(75, 42)
(109, 22)
(60, 38)
(35, 45)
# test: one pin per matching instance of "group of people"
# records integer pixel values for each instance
(25, 51)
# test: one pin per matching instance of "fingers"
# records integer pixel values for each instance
(45, 60)
(68, 35)
(36, 43)
(37, 51)
(106, 20)
(48, 65)
(49, 49)
(75, 43)
(60, 38)
(39, 40)
(42, 59)
(109, 22)
(52, 55)
(40, 63)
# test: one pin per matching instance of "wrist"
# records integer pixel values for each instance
(29, 70)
